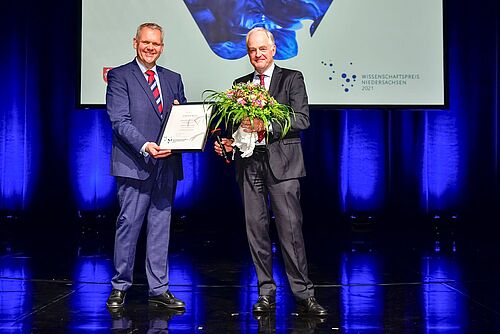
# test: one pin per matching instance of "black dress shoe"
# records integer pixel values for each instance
(311, 306)
(116, 298)
(265, 304)
(167, 300)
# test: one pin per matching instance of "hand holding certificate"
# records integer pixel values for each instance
(186, 128)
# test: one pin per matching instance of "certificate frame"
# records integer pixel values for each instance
(186, 128)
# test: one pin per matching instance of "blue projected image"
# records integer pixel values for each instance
(225, 23)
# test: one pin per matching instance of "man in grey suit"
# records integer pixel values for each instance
(139, 97)
(271, 175)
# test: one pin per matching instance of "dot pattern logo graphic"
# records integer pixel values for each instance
(346, 79)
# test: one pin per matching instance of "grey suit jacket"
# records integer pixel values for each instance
(285, 155)
(135, 118)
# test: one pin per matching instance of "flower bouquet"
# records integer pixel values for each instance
(247, 100)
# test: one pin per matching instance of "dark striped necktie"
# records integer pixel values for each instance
(154, 87)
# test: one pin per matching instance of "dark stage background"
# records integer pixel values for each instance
(402, 168)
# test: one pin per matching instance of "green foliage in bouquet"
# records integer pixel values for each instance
(247, 100)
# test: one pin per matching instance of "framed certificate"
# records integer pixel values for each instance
(186, 128)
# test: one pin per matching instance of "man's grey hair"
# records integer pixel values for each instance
(267, 32)
(149, 25)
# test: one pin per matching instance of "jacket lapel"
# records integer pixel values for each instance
(167, 92)
(275, 79)
(142, 81)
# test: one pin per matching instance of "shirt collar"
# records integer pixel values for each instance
(143, 68)
(268, 72)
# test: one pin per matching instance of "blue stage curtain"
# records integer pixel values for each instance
(54, 155)
(20, 138)
(89, 160)
(362, 170)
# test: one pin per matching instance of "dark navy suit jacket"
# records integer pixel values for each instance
(135, 118)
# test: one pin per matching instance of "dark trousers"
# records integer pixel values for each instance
(258, 188)
(149, 200)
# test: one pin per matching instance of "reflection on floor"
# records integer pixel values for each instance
(368, 283)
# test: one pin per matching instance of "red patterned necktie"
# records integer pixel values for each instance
(261, 77)
(261, 134)
(154, 87)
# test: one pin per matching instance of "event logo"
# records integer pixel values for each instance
(225, 23)
(105, 71)
(344, 79)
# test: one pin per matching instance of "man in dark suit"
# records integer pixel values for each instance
(138, 100)
(271, 175)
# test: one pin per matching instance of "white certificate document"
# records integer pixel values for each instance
(186, 128)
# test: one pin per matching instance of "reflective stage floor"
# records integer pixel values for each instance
(370, 282)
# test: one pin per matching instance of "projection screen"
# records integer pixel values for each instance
(353, 53)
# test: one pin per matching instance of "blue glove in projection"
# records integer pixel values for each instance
(225, 23)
